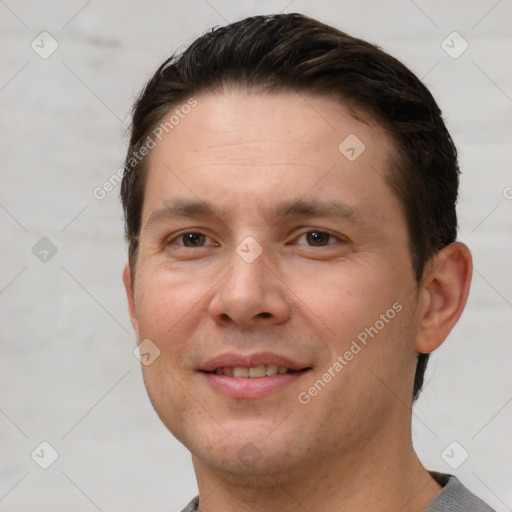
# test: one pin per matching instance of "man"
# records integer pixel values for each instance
(289, 197)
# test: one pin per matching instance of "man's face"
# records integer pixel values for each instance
(267, 245)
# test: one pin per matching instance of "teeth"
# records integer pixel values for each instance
(239, 371)
(271, 370)
(258, 371)
(254, 372)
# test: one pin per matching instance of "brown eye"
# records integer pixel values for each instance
(318, 238)
(193, 239)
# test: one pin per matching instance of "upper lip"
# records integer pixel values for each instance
(250, 361)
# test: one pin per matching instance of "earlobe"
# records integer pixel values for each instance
(130, 295)
(444, 292)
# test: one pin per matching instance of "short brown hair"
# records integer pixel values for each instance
(291, 52)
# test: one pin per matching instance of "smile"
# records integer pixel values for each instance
(254, 372)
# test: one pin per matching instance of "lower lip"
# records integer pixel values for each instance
(251, 387)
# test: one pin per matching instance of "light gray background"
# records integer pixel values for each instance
(67, 372)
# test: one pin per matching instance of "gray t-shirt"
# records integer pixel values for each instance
(454, 497)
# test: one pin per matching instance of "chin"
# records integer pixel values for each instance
(247, 452)
(246, 465)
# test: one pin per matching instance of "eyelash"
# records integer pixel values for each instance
(304, 234)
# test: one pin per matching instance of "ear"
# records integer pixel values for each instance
(444, 292)
(128, 286)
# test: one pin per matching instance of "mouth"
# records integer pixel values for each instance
(250, 377)
(254, 372)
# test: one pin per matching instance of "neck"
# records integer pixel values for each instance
(385, 476)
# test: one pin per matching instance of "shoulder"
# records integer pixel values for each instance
(192, 506)
(454, 497)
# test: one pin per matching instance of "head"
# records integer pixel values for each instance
(260, 129)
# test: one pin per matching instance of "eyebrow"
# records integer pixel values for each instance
(186, 208)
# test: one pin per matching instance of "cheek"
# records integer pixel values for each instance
(169, 398)
(167, 307)
(347, 298)
(360, 316)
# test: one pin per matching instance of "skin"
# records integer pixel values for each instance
(349, 447)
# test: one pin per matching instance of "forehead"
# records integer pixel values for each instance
(301, 121)
(264, 146)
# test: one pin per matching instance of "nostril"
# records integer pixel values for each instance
(264, 315)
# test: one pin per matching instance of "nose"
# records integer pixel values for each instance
(250, 295)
